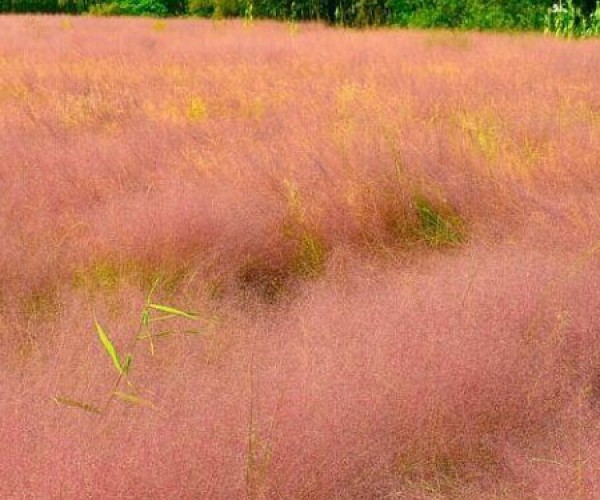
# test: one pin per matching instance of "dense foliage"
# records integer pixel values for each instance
(463, 14)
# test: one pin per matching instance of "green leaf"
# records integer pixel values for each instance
(109, 347)
(173, 311)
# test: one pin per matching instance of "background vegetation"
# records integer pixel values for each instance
(463, 14)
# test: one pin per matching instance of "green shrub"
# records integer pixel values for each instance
(154, 8)
(215, 8)
(105, 9)
(469, 14)
(569, 21)
(437, 227)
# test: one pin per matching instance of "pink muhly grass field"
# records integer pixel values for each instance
(392, 239)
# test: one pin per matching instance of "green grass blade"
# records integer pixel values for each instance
(145, 318)
(173, 311)
(163, 318)
(108, 347)
(154, 285)
(194, 332)
(168, 333)
(146, 336)
(127, 365)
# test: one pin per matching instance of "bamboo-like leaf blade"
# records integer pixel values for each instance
(73, 403)
(133, 399)
(109, 347)
(173, 311)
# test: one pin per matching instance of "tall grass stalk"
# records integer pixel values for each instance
(151, 314)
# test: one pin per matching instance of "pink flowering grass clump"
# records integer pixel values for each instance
(389, 241)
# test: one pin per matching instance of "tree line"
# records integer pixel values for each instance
(465, 14)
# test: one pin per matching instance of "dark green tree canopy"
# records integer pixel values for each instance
(464, 14)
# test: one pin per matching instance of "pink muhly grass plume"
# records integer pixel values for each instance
(391, 238)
